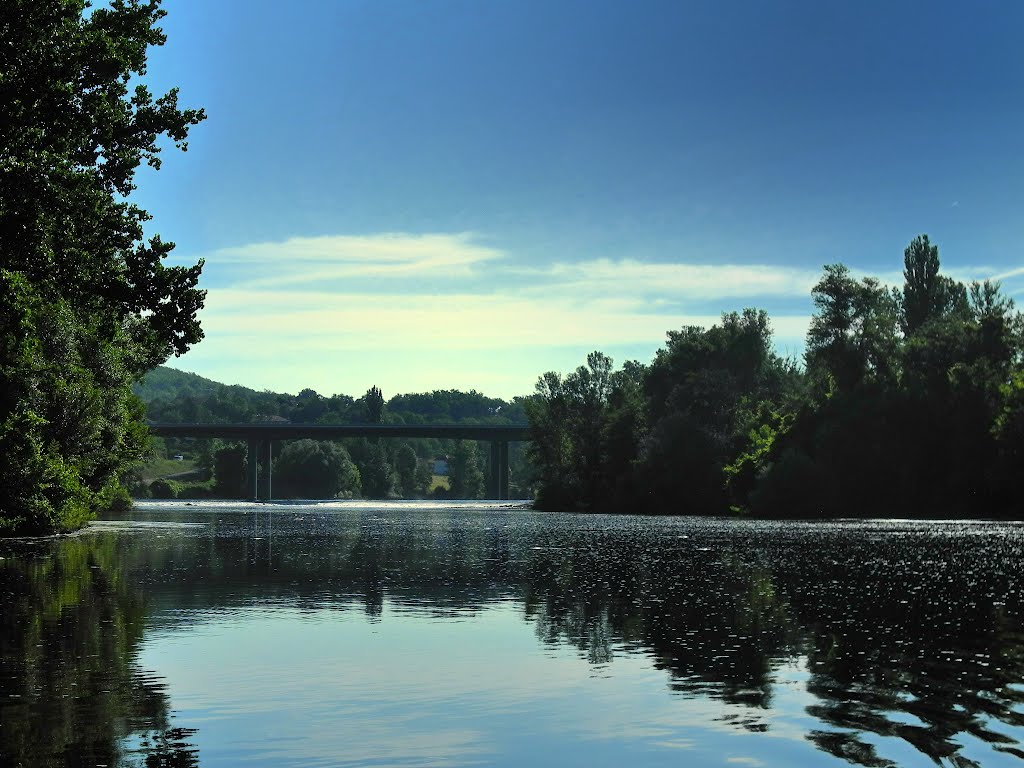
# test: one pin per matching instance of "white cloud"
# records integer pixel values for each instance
(313, 260)
(678, 280)
(339, 313)
(460, 321)
(1019, 271)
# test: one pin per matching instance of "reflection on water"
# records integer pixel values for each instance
(355, 634)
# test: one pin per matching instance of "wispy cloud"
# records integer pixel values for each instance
(460, 321)
(438, 310)
(314, 260)
(677, 280)
(309, 263)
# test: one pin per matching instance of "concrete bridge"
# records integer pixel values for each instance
(259, 438)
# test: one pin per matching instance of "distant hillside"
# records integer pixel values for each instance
(168, 383)
(175, 396)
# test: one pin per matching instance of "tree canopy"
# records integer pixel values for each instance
(86, 304)
(907, 403)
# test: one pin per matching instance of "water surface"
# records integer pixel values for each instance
(427, 634)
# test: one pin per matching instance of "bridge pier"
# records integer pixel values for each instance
(253, 468)
(260, 452)
(503, 470)
(267, 455)
(497, 476)
(258, 437)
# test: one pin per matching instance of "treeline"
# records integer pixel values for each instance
(176, 397)
(355, 467)
(908, 402)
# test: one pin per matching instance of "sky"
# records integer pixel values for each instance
(461, 194)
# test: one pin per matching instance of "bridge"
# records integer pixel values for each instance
(259, 438)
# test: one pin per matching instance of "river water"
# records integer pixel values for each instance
(408, 634)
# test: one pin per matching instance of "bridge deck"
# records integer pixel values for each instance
(490, 432)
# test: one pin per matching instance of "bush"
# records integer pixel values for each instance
(163, 489)
(196, 491)
(118, 499)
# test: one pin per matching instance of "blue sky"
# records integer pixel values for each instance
(433, 195)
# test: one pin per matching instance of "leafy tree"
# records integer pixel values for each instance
(465, 477)
(86, 307)
(373, 402)
(853, 336)
(315, 469)
(406, 465)
(309, 407)
(702, 387)
(927, 295)
(585, 430)
(229, 471)
(378, 476)
(924, 414)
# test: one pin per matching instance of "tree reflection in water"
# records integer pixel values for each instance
(908, 635)
(912, 635)
(70, 693)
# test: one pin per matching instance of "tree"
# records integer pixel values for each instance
(852, 338)
(315, 469)
(464, 473)
(927, 295)
(406, 464)
(86, 306)
(927, 415)
(378, 476)
(373, 402)
(585, 433)
(229, 471)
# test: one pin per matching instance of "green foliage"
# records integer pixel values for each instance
(86, 307)
(465, 476)
(164, 489)
(410, 479)
(911, 404)
(163, 382)
(315, 469)
(68, 421)
(229, 471)
(920, 406)
(927, 295)
(586, 430)
(699, 388)
(174, 396)
(375, 470)
(373, 404)
(767, 425)
(853, 336)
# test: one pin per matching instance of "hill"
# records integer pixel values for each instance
(164, 382)
(174, 396)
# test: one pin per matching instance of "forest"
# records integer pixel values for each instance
(908, 402)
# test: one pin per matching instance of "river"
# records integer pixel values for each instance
(408, 634)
